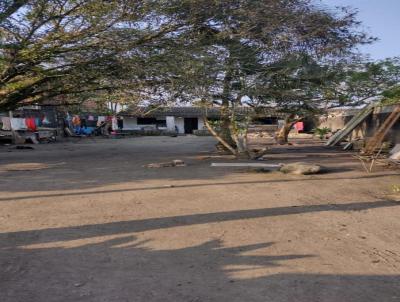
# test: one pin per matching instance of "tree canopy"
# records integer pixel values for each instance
(61, 47)
(64, 47)
(284, 53)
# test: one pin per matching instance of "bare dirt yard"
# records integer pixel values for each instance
(85, 221)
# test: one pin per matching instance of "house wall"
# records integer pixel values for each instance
(201, 124)
(367, 128)
(333, 122)
(170, 123)
(180, 123)
(130, 123)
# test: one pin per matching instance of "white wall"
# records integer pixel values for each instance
(170, 123)
(201, 124)
(180, 123)
(130, 123)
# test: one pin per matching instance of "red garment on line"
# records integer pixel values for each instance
(30, 123)
(299, 126)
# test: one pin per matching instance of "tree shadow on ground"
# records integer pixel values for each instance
(97, 164)
(124, 269)
(191, 185)
(81, 264)
(11, 239)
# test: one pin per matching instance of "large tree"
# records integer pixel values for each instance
(222, 53)
(261, 53)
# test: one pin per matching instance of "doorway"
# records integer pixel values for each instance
(191, 124)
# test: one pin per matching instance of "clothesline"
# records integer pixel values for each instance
(16, 123)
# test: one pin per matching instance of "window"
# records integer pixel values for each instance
(161, 123)
(266, 121)
(146, 121)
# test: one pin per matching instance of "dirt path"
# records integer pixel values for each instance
(84, 221)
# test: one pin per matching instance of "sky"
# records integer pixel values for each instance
(381, 19)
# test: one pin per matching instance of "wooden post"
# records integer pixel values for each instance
(13, 135)
(377, 140)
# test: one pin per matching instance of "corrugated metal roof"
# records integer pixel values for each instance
(214, 112)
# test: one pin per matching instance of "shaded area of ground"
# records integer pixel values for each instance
(94, 163)
(94, 225)
(122, 227)
(123, 269)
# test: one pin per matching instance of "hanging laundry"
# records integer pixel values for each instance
(114, 124)
(18, 124)
(76, 121)
(100, 119)
(6, 123)
(68, 120)
(45, 121)
(38, 122)
(299, 126)
(30, 124)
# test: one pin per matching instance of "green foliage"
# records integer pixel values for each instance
(59, 48)
(229, 53)
(391, 96)
(360, 82)
(322, 132)
(396, 189)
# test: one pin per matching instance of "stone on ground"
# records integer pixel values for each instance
(395, 152)
(300, 168)
(174, 163)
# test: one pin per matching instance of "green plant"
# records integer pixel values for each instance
(396, 189)
(322, 132)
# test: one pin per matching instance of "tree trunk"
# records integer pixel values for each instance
(225, 131)
(220, 139)
(240, 139)
(242, 150)
(226, 123)
(282, 135)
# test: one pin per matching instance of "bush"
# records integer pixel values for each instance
(322, 132)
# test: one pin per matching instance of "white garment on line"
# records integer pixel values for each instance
(6, 123)
(18, 124)
(114, 124)
(100, 119)
(45, 121)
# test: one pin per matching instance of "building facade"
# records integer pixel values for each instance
(188, 120)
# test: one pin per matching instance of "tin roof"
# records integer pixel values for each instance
(213, 112)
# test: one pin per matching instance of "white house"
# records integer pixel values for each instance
(186, 120)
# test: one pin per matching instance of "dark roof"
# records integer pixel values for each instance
(213, 112)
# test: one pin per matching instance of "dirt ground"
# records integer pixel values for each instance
(85, 221)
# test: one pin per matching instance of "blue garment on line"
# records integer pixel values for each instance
(83, 130)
